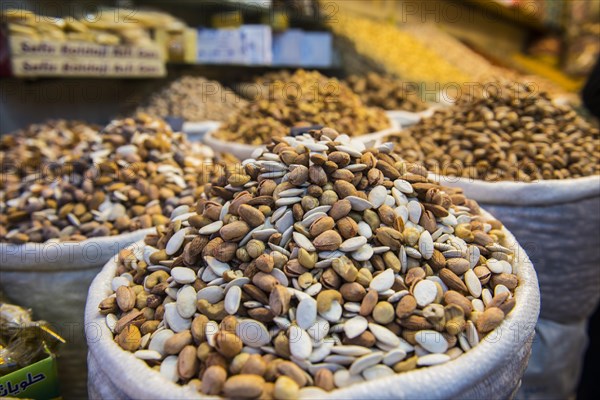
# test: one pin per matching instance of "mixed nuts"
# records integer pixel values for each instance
(134, 174)
(386, 92)
(306, 98)
(510, 132)
(318, 264)
(195, 98)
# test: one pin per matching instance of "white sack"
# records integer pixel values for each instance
(491, 370)
(556, 362)
(557, 223)
(53, 279)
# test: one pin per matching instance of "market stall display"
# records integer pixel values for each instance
(79, 198)
(386, 92)
(194, 99)
(534, 165)
(305, 98)
(320, 265)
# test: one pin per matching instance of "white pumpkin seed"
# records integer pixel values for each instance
(148, 355)
(359, 204)
(158, 339)
(342, 378)
(383, 281)
(186, 301)
(176, 241)
(350, 350)
(394, 356)
(426, 245)
(252, 333)
(377, 371)
(355, 326)
(432, 341)
(183, 275)
(176, 322)
(306, 313)
(353, 244)
(303, 241)
(364, 253)
(425, 292)
(414, 211)
(232, 300)
(211, 228)
(212, 294)
(300, 342)
(364, 230)
(168, 368)
(377, 196)
(473, 283)
(384, 335)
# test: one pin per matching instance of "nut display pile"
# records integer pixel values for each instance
(131, 175)
(386, 92)
(512, 133)
(195, 98)
(307, 98)
(319, 265)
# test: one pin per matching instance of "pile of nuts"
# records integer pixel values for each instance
(397, 52)
(195, 98)
(307, 98)
(507, 133)
(318, 265)
(386, 92)
(130, 176)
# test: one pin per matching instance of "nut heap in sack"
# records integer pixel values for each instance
(510, 132)
(134, 174)
(386, 92)
(318, 265)
(304, 98)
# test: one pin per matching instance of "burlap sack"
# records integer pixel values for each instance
(53, 280)
(492, 370)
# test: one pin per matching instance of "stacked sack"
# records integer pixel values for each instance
(72, 197)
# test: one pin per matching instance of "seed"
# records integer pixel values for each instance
(244, 386)
(473, 283)
(130, 338)
(232, 300)
(383, 313)
(227, 344)
(187, 363)
(324, 379)
(125, 298)
(384, 335)
(175, 343)
(213, 380)
(489, 320)
(383, 281)
(306, 313)
(286, 388)
(425, 292)
(300, 342)
(327, 241)
(432, 341)
(426, 245)
(406, 306)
